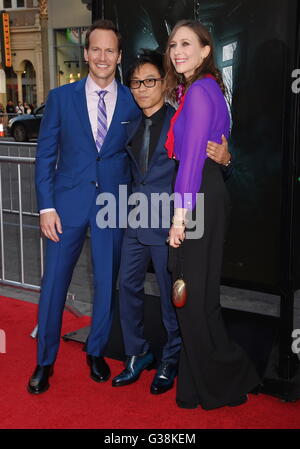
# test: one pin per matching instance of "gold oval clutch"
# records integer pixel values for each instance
(179, 293)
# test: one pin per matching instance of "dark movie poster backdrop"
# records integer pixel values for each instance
(252, 49)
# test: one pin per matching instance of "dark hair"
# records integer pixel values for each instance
(146, 56)
(208, 66)
(103, 24)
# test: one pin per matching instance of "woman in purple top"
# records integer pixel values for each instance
(213, 370)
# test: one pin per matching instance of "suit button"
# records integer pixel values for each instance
(143, 183)
(98, 159)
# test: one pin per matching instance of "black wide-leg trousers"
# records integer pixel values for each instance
(213, 370)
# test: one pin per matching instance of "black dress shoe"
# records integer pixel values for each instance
(100, 371)
(135, 365)
(238, 402)
(164, 378)
(39, 381)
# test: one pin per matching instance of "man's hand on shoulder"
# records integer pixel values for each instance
(50, 224)
(219, 152)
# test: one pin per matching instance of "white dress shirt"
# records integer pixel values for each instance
(92, 99)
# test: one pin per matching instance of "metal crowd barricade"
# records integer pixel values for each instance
(18, 210)
(17, 202)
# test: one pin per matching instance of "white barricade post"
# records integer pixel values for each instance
(2, 342)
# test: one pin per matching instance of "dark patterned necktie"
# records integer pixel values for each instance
(144, 153)
(101, 120)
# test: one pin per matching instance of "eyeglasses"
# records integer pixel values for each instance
(149, 82)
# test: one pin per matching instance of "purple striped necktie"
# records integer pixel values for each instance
(101, 120)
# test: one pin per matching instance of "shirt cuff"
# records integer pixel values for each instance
(43, 211)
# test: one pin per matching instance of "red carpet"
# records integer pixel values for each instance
(74, 401)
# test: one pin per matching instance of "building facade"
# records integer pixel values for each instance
(25, 80)
(67, 25)
(47, 42)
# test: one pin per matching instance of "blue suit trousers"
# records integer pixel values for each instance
(134, 263)
(61, 259)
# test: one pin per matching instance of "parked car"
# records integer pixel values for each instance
(25, 126)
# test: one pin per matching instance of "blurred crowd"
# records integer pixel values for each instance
(19, 108)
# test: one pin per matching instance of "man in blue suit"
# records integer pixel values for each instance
(153, 173)
(80, 154)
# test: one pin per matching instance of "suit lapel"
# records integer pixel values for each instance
(162, 138)
(132, 130)
(82, 110)
(121, 106)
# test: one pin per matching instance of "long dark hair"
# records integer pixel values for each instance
(208, 66)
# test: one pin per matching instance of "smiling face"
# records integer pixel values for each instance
(103, 55)
(186, 52)
(149, 99)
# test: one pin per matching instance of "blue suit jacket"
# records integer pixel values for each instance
(158, 179)
(68, 164)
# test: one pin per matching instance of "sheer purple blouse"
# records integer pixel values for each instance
(204, 117)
